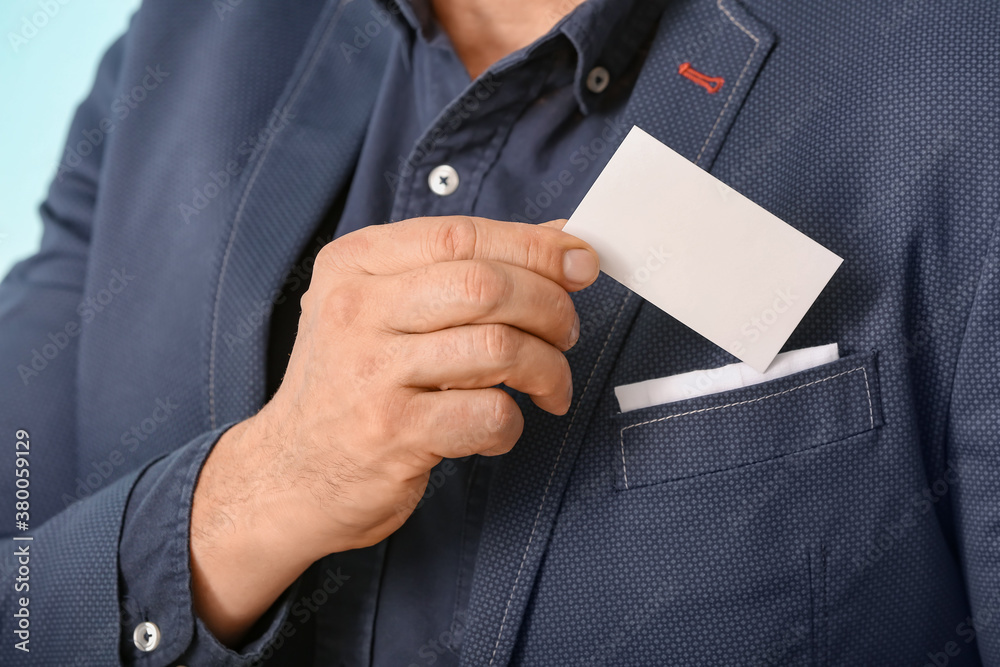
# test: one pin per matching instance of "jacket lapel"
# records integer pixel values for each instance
(317, 129)
(691, 109)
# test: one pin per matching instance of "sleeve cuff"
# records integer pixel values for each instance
(155, 572)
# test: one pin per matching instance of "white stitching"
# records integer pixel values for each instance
(306, 75)
(621, 438)
(736, 86)
(871, 411)
(552, 473)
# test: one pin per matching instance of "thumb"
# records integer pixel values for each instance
(555, 224)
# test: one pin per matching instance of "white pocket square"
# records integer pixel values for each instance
(674, 388)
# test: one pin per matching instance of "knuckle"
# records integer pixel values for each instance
(565, 375)
(500, 344)
(485, 286)
(307, 302)
(328, 253)
(344, 254)
(454, 238)
(340, 307)
(500, 410)
(537, 253)
(391, 418)
(556, 380)
(564, 311)
(378, 364)
(503, 425)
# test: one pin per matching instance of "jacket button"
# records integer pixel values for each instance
(146, 636)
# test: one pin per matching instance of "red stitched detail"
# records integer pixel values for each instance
(710, 83)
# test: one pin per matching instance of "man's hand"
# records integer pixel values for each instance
(405, 331)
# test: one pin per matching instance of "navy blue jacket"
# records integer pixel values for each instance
(849, 514)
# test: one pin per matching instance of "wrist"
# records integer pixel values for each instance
(243, 557)
(243, 497)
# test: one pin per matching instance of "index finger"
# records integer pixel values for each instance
(404, 246)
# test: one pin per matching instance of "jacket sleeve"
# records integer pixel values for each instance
(974, 452)
(65, 599)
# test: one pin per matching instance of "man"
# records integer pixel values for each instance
(212, 483)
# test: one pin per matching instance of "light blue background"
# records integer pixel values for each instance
(41, 83)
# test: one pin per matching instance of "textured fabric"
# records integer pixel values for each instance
(406, 603)
(843, 553)
(113, 319)
(852, 552)
(155, 549)
(871, 127)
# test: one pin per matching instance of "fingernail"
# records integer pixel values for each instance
(580, 266)
(574, 335)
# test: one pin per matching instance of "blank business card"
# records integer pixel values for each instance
(700, 251)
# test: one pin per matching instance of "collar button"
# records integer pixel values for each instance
(598, 79)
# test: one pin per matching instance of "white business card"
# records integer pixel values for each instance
(700, 251)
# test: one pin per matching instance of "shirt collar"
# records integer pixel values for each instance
(605, 33)
(608, 34)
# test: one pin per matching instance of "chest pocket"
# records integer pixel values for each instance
(749, 426)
